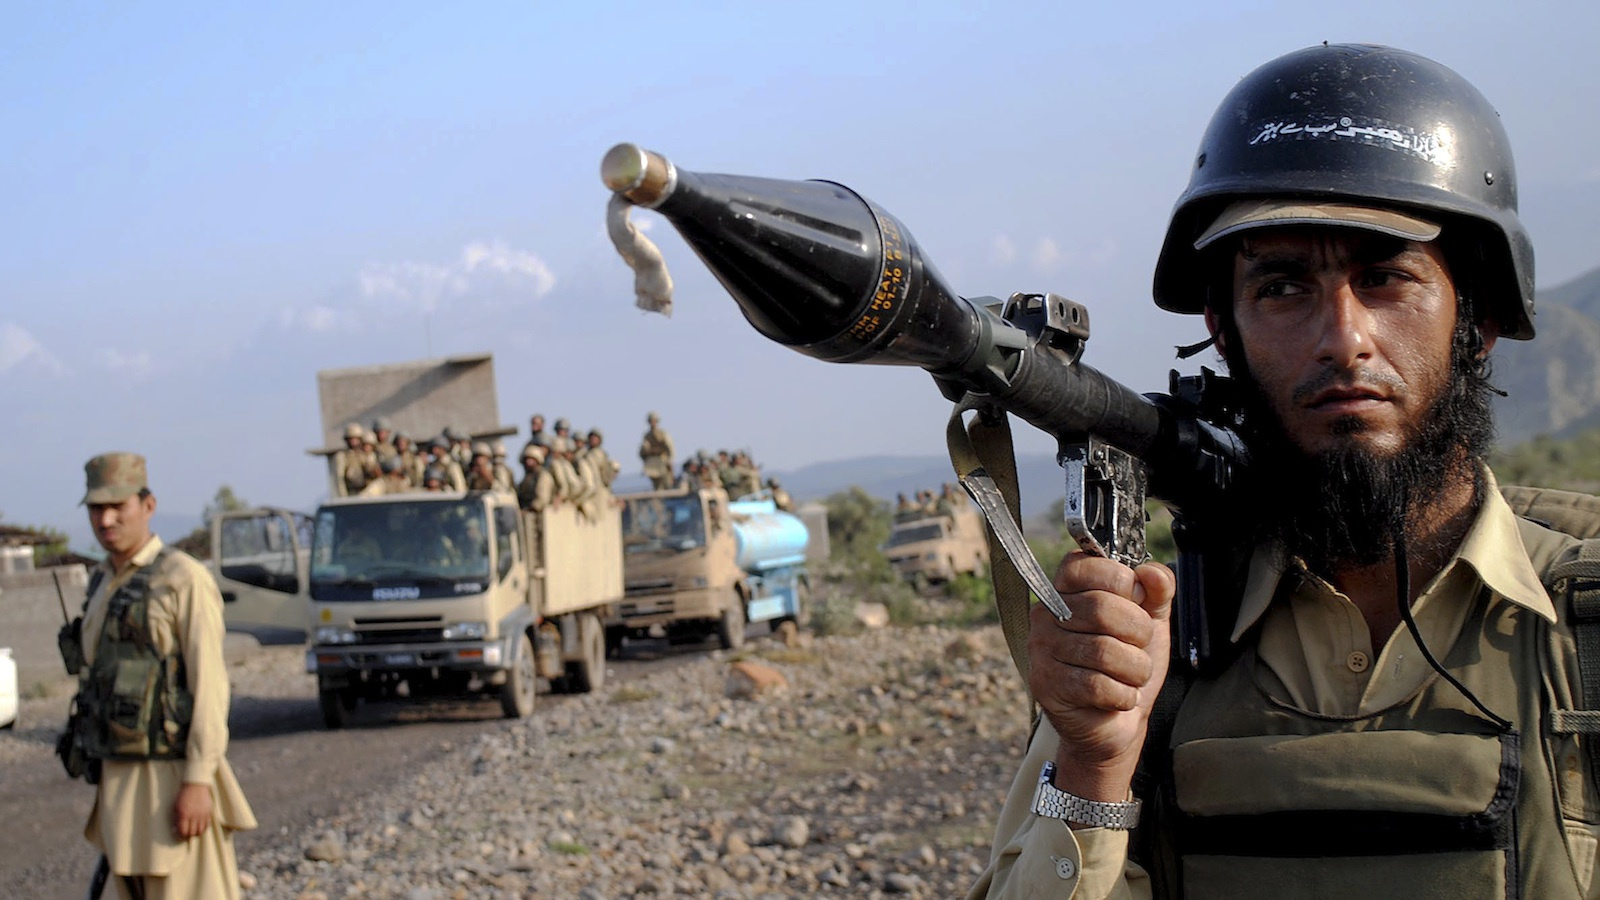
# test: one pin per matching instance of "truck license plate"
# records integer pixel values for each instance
(399, 659)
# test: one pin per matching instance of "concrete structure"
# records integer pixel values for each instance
(420, 397)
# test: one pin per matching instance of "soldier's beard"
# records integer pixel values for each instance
(1342, 508)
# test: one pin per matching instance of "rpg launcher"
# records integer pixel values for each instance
(820, 269)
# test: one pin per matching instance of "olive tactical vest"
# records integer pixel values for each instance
(135, 702)
(1429, 798)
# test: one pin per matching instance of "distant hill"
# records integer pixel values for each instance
(1040, 478)
(1581, 293)
(1553, 381)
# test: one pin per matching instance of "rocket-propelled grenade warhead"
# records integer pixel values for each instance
(817, 267)
(812, 264)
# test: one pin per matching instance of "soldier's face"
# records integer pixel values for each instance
(536, 423)
(122, 528)
(1348, 335)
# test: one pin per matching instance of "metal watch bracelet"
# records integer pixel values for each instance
(1054, 803)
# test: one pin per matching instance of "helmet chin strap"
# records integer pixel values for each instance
(1402, 577)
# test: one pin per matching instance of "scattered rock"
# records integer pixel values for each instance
(748, 680)
(901, 883)
(872, 615)
(965, 646)
(791, 831)
(328, 848)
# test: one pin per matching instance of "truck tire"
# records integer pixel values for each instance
(589, 673)
(730, 629)
(522, 683)
(337, 704)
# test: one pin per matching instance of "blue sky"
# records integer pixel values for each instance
(207, 204)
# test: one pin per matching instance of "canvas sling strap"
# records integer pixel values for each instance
(987, 469)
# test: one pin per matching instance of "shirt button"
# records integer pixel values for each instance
(1357, 661)
(1066, 869)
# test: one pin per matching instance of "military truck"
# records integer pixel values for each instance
(457, 593)
(936, 548)
(698, 565)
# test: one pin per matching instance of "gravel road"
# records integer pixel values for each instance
(876, 770)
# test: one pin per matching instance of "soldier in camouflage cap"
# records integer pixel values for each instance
(166, 802)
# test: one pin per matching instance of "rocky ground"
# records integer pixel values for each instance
(876, 769)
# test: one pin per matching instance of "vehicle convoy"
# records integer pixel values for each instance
(451, 593)
(698, 565)
(938, 547)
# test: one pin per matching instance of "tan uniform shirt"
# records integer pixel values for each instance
(503, 479)
(569, 486)
(454, 478)
(132, 817)
(656, 452)
(1317, 643)
(395, 483)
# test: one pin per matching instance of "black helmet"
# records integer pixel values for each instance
(1368, 126)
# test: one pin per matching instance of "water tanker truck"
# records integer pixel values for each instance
(697, 565)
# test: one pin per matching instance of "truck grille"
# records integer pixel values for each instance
(401, 636)
(642, 588)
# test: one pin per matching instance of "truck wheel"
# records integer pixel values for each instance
(337, 704)
(589, 673)
(730, 630)
(522, 683)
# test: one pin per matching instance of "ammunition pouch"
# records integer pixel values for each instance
(70, 642)
(71, 747)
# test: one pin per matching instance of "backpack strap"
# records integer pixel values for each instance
(1578, 579)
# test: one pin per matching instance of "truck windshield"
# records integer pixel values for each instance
(930, 532)
(663, 523)
(421, 542)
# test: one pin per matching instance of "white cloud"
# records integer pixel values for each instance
(1002, 252)
(134, 365)
(485, 274)
(20, 350)
(1046, 254)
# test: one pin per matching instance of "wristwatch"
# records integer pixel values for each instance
(1058, 804)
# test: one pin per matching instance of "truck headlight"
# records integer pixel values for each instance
(333, 634)
(466, 631)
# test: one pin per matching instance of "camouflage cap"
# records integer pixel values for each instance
(563, 425)
(595, 433)
(499, 448)
(432, 473)
(113, 478)
(392, 464)
(453, 433)
(354, 430)
(439, 443)
(534, 451)
(480, 448)
(382, 423)
(652, 417)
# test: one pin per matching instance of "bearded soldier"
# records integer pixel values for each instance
(1395, 707)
